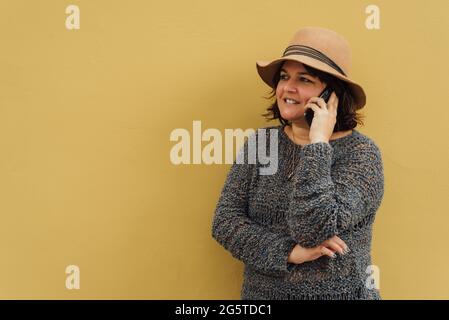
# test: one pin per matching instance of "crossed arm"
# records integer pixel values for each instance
(326, 201)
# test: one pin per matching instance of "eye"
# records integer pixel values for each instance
(284, 76)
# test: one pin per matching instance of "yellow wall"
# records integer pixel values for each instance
(85, 119)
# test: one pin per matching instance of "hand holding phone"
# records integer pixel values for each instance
(325, 95)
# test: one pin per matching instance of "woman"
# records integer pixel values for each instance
(305, 231)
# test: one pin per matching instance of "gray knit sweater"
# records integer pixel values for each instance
(336, 189)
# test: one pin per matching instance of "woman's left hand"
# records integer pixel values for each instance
(324, 119)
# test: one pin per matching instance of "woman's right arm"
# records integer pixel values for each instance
(247, 240)
(251, 242)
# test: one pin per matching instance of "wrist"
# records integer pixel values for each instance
(296, 256)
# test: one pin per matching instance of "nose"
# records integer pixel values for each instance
(289, 86)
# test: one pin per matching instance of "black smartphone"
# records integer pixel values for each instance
(325, 94)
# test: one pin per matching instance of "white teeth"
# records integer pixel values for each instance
(290, 101)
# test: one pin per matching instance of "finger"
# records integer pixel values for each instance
(334, 246)
(341, 243)
(318, 101)
(333, 102)
(312, 106)
(327, 252)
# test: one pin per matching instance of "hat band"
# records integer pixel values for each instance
(313, 53)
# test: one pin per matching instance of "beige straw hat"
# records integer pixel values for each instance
(322, 49)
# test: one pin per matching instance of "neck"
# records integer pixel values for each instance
(300, 131)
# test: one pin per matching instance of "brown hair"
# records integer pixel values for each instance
(347, 116)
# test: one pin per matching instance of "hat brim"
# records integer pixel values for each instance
(267, 70)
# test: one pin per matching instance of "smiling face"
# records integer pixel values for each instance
(297, 84)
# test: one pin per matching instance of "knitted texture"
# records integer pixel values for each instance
(336, 189)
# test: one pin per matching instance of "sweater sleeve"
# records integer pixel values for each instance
(330, 199)
(246, 240)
